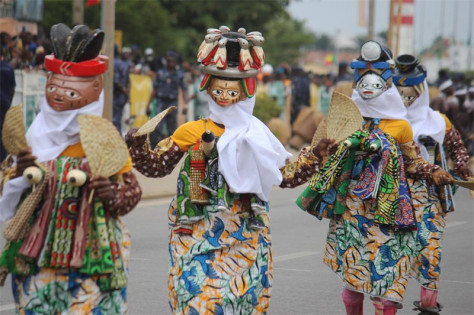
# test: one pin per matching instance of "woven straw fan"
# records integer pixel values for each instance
(13, 132)
(469, 183)
(106, 152)
(18, 225)
(150, 125)
(344, 88)
(320, 133)
(344, 117)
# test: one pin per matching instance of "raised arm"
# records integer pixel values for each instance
(308, 163)
(158, 162)
(457, 152)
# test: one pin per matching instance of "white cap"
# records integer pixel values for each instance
(461, 91)
(267, 69)
(126, 49)
(148, 51)
(445, 84)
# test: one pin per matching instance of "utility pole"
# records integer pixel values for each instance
(399, 22)
(370, 33)
(390, 26)
(77, 12)
(471, 32)
(108, 26)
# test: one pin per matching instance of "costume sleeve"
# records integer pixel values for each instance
(415, 165)
(158, 162)
(456, 149)
(8, 171)
(299, 172)
(127, 194)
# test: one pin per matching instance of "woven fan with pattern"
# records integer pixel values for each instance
(13, 132)
(344, 117)
(150, 125)
(105, 149)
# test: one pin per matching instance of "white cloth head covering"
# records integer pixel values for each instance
(52, 132)
(250, 156)
(425, 121)
(387, 105)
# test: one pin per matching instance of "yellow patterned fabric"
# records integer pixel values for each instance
(399, 129)
(189, 133)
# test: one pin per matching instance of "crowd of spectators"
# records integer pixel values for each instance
(24, 50)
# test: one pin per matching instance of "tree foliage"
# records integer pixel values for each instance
(181, 25)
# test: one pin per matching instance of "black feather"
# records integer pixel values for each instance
(92, 46)
(76, 41)
(59, 34)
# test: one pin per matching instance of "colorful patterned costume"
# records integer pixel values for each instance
(103, 273)
(371, 257)
(438, 203)
(223, 267)
(435, 136)
(66, 248)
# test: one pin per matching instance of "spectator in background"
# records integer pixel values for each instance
(300, 93)
(442, 76)
(451, 102)
(279, 90)
(149, 64)
(7, 90)
(201, 108)
(314, 91)
(325, 93)
(343, 73)
(6, 46)
(135, 55)
(121, 85)
(166, 86)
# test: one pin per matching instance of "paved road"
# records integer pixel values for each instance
(302, 283)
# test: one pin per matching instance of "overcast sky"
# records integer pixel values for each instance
(330, 16)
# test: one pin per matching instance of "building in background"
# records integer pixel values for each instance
(20, 15)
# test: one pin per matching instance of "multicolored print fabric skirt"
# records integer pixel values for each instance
(370, 258)
(222, 268)
(54, 291)
(431, 221)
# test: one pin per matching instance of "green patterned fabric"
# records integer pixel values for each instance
(335, 173)
(101, 255)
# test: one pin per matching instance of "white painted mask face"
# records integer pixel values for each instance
(370, 86)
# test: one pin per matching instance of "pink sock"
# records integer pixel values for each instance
(385, 307)
(353, 301)
(428, 297)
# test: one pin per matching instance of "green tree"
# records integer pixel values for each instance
(324, 42)
(284, 38)
(181, 25)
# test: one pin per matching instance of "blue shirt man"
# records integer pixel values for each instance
(168, 82)
(121, 86)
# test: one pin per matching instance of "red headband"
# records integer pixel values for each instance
(87, 68)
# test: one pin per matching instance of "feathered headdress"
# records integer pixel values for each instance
(76, 51)
(232, 55)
